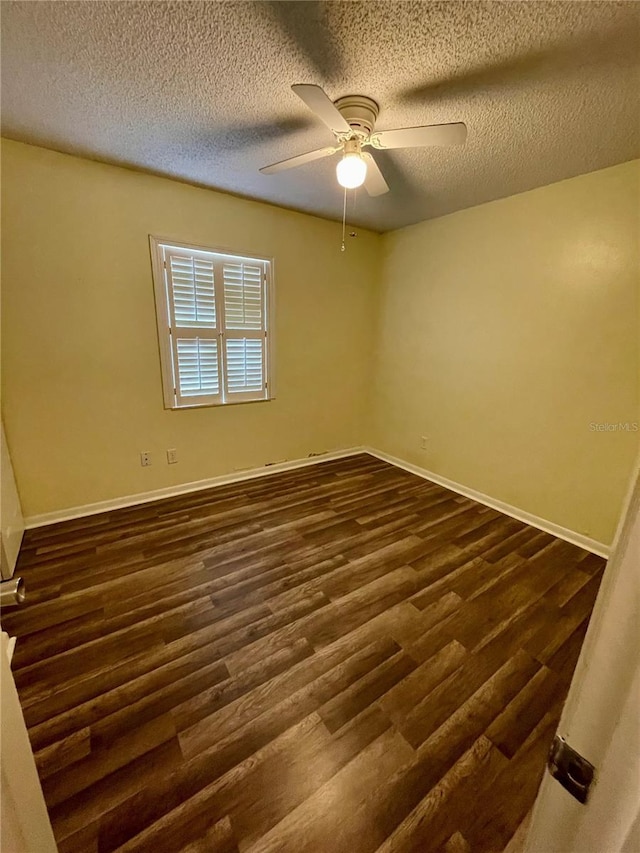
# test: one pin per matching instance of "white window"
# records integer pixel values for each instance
(213, 310)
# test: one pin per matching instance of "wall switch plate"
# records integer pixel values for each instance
(172, 456)
(145, 458)
(423, 442)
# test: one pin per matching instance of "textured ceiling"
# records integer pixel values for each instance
(201, 91)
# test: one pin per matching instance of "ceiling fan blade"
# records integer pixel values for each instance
(416, 137)
(374, 183)
(300, 160)
(321, 104)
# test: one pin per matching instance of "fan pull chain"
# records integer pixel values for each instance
(344, 219)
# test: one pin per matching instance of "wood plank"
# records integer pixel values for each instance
(436, 817)
(401, 699)
(516, 722)
(514, 788)
(358, 696)
(100, 762)
(325, 821)
(59, 755)
(501, 681)
(340, 657)
(308, 684)
(457, 844)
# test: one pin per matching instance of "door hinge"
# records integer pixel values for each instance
(574, 772)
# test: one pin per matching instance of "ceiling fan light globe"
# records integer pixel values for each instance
(351, 171)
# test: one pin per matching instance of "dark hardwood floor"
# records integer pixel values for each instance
(341, 658)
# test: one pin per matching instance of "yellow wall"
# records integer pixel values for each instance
(501, 332)
(82, 393)
(506, 330)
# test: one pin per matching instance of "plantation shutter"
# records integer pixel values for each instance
(195, 340)
(245, 336)
(213, 325)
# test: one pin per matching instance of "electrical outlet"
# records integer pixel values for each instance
(423, 442)
(172, 456)
(145, 458)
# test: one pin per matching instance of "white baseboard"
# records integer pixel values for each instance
(264, 471)
(578, 539)
(69, 514)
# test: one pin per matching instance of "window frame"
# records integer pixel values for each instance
(163, 321)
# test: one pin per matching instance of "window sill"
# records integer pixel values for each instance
(218, 405)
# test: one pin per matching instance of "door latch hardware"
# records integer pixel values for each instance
(574, 772)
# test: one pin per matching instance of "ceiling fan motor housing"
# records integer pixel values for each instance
(359, 112)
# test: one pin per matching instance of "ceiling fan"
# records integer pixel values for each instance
(352, 121)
